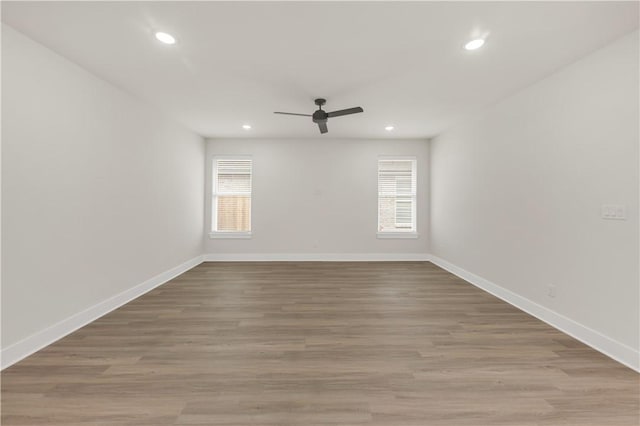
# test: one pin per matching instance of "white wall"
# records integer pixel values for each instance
(318, 196)
(517, 192)
(100, 193)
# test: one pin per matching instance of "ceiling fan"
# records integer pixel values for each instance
(320, 116)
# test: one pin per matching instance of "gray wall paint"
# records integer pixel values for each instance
(517, 192)
(319, 195)
(100, 193)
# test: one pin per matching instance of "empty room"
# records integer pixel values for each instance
(320, 213)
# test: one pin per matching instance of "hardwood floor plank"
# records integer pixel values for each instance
(319, 343)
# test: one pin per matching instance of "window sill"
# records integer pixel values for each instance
(396, 235)
(229, 235)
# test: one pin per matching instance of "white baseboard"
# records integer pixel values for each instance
(618, 351)
(25, 347)
(316, 257)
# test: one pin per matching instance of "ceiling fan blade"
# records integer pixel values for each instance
(345, 112)
(292, 113)
(323, 126)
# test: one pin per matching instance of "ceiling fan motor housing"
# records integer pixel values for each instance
(320, 116)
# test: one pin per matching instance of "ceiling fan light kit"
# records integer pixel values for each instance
(320, 116)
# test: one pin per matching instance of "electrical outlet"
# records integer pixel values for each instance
(551, 290)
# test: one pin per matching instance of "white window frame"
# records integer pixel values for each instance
(214, 233)
(396, 234)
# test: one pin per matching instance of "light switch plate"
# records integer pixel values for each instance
(614, 211)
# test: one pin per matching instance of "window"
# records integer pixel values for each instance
(231, 201)
(397, 197)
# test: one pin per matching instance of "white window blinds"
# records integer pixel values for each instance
(232, 195)
(397, 195)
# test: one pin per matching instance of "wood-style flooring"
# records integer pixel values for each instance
(306, 343)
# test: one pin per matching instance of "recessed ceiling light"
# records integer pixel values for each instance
(246, 126)
(165, 38)
(474, 44)
(389, 128)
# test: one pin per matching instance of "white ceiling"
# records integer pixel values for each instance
(403, 62)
